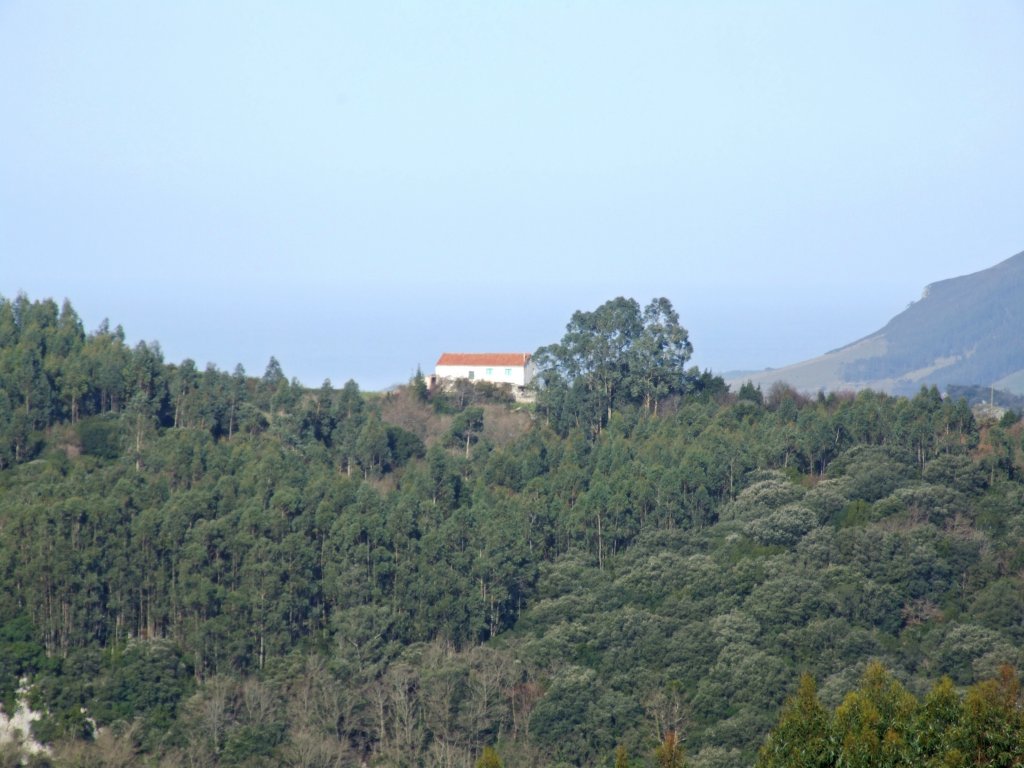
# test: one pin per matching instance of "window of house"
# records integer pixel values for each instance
(490, 371)
(472, 375)
(508, 371)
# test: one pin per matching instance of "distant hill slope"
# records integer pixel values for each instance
(965, 330)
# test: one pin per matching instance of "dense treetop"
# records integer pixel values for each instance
(611, 357)
(881, 723)
(209, 568)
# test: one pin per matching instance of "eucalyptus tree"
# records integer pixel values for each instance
(615, 355)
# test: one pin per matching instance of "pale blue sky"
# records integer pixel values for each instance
(355, 188)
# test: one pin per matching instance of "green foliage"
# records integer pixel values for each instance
(466, 428)
(802, 737)
(100, 436)
(881, 723)
(144, 682)
(419, 386)
(1009, 418)
(993, 721)
(782, 527)
(611, 357)
(749, 392)
(243, 571)
(21, 654)
(403, 445)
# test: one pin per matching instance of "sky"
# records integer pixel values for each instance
(354, 188)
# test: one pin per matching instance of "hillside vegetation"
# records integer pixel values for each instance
(207, 568)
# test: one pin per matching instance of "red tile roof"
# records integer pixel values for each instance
(495, 359)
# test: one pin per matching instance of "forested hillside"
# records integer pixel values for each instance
(210, 568)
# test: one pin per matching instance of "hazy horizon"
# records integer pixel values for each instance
(356, 188)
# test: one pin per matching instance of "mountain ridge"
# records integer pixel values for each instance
(963, 330)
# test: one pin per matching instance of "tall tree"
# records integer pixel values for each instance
(612, 356)
(466, 427)
(659, 356)
(802, 738)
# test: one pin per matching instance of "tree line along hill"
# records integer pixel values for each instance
(207, 568)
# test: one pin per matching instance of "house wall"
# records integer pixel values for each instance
(518, 376)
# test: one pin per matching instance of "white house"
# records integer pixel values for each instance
(512, 368)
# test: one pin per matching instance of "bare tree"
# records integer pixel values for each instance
(308, 748)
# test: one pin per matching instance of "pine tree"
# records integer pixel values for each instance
(419, 386)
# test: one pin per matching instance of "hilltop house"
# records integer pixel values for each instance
(512, 368)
